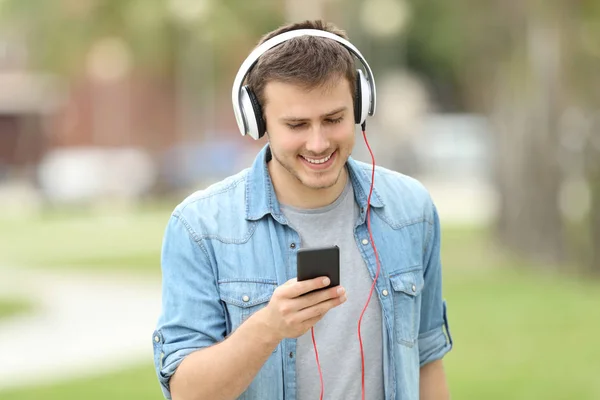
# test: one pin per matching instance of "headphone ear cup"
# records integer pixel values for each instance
(357, 98)
(252, 113)
(362, 99)
(258, 115)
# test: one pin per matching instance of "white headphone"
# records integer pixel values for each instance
(246, 107)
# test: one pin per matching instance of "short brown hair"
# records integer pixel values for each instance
(307, 61)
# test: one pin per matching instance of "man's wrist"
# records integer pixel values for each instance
(263, 331)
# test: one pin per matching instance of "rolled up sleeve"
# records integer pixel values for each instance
(434, 333)
(192, 316)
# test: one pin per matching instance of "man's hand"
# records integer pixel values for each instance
(225, 370)
(292, 310)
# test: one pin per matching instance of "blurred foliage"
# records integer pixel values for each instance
(452, 43)
(455, 43)
(465, 42)
(69, 29)
(61, 33)
(526, 64)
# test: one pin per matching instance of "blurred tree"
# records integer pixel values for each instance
(583, 64)
(61, 33)
(529, 65)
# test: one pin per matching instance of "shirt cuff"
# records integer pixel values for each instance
(434, 344)
(169, 368)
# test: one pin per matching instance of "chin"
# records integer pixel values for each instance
(324, 181)
(318, 185)
(320, 180)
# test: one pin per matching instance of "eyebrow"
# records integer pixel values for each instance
(329, 114)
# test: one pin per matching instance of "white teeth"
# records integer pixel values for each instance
(319, 161)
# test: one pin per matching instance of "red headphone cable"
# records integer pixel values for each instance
(362, 356)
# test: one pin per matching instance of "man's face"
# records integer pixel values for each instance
(311, 132)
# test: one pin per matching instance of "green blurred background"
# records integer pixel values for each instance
(111, 111)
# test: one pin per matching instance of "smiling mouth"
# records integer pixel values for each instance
(317, 160)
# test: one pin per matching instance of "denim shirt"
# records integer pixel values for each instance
(227, 248)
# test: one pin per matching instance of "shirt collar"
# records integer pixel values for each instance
(261, 198)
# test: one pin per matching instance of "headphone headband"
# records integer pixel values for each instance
(274, 41)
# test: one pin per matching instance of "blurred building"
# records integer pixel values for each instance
(26, 100)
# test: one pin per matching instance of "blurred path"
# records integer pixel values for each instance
(84, 323)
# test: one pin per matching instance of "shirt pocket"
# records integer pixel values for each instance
(407, 287)
(244, 298)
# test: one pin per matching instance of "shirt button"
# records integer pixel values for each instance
(365, 241)
(156, 339)
(293, 245)
(385, 292)
(291, 354)
(246, 299)
(414, 288)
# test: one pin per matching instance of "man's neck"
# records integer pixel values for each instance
(293, 193)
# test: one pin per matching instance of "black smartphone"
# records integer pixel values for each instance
(316, 262)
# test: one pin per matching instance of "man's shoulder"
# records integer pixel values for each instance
(394, 185)
(219, 195)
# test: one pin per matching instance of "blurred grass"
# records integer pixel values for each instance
(520, 332)
(135, 384)
(96, 239)
(12, 306)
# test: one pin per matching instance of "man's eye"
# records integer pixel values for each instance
(296, 126)
(335, 121)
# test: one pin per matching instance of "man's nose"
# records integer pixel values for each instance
(317, 142)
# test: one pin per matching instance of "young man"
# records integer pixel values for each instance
(235, 322)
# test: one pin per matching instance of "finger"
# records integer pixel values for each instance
(319, 296)
(303, 287)
(282, 291)
(309, 323)
(319, 310)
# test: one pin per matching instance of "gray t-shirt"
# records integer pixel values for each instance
(336, 334)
